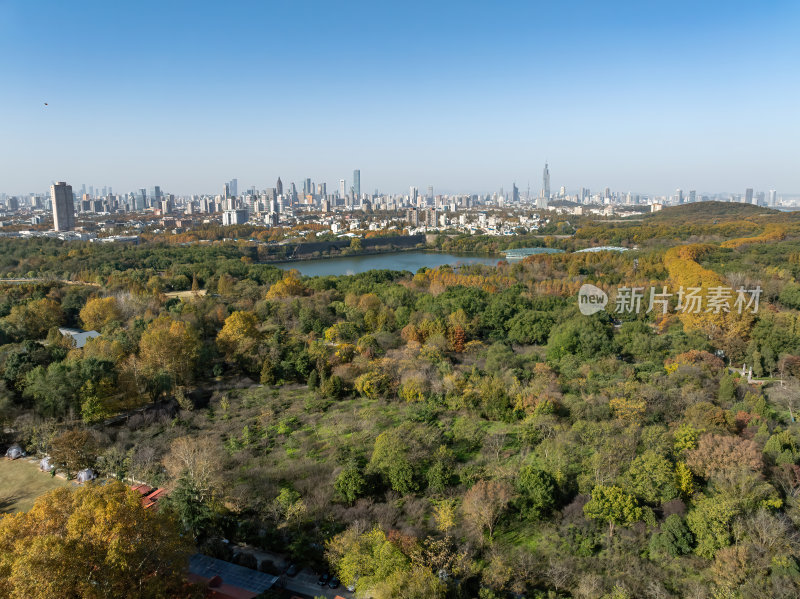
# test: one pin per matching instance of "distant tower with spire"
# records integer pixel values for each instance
(545, 194)
(546, 182)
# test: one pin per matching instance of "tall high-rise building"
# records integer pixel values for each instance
(357, 183)
(413, 195)
(63, 206)
(773, 198)
(692, 196)
(514, 193)
(279, 187)
(748, 195)
(679, 196)
(156, 196)
(546, 182)
(342, 188)
(430, 192)
(234, 187)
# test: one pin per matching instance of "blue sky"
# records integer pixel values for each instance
(465, 96)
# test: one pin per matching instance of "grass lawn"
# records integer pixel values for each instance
(21, 483)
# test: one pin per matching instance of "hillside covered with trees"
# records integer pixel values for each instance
(447, 433)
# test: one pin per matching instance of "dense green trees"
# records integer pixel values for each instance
(651, 478)
(614, 506)
(531, 326)
(467, 420)
(350, 482)
(581, 337)
(710, 521)
(537, 492)
(672, 540)
(375, 565)
(66, 387)
(390, 458)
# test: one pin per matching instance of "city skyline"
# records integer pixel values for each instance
(617, 95)
(343, 188)
(137, 200)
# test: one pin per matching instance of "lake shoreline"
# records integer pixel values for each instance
(411, 261)
(306, 258)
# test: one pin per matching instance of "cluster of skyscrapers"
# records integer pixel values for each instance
(269, 204)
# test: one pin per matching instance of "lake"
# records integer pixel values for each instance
(412, 261)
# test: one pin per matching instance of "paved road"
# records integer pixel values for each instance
(306, 583)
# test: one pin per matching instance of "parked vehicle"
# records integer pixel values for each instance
(352, 586)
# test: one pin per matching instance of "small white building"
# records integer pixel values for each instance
(80, 337)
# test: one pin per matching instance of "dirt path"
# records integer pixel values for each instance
(43, 280)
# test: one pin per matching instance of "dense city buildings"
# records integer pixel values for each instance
(346, 211)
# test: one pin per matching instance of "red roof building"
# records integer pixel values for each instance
(149, 495)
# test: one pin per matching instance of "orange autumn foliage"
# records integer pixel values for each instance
(685, 272)
(772, 232)
(442, 279)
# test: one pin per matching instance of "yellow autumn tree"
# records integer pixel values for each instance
(724, 324)
(169, 346)
(100, 311)
(289, 286)
(239, 336)
(628, 410)
(102, 349)
(97, 541)
(34, 319)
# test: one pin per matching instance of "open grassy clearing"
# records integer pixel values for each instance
(21, 482)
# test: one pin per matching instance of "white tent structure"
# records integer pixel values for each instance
(85, 475)
(45, 465)
(14, 452)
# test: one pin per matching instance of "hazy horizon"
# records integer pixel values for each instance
(463, 97)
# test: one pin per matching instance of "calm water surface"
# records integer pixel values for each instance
(412, 261)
